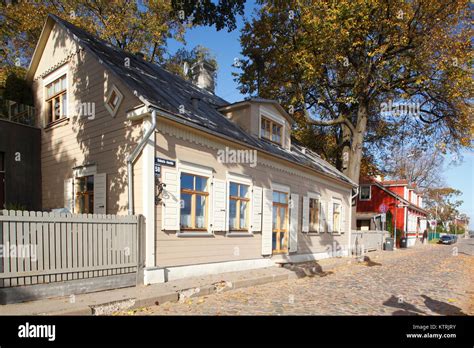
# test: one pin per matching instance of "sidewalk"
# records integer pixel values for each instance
(108, 302)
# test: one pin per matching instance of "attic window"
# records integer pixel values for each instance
(56, 99)
(112, 103)
(271, 130)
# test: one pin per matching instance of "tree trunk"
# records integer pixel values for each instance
(355, 149)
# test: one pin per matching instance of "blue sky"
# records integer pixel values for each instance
(226, 47)
(462, 178)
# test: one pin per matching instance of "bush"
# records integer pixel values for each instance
(15, 206)
(390, 222)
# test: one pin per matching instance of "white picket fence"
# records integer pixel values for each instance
(41, 247)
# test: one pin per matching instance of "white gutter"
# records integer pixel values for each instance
(355, 194)
(133, 156)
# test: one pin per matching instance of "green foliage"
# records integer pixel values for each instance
(17, 89)
(175, 63)
(389, 219)
(456, 229)
(134, 26)
(336, 62)
(444, 203)
(15, 206)
(221, 14)
(399, 236)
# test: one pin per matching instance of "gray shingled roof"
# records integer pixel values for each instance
(168, 91)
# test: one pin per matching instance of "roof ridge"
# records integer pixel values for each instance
(156, 86)
(135, 57)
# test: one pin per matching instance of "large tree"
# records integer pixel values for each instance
(339, 63)
(134, 26)
(443, 204)
(421, 168)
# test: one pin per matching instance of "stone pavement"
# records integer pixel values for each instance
(424, 280)
(130, 299)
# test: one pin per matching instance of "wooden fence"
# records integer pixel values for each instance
(41, 247)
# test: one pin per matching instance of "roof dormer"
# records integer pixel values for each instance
(262, 118)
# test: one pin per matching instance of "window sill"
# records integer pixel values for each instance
(280, 252)
(313, 233)
(194, 234)
(239, 234)
(57, 123)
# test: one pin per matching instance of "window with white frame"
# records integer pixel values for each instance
(194, 202)
(113, 100)
(239, 204)
(365, 193)
(336, 216)
(56, 99)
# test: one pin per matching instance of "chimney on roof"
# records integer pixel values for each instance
(203, 75)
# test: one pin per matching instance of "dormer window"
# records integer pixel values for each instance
(113, 101)
(271, 130)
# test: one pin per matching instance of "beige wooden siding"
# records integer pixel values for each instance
(172, 250)
(241, 117)
(105, 141)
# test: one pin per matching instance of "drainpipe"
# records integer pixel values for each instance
(133, 156)
(350, 229)
(355, 194)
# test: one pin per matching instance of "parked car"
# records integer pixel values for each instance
(447, 240)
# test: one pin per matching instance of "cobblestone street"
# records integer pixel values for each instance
(425, 280)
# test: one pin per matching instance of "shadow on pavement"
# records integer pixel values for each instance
(441, 307)
(368, 262)
(435, 306)
(307, 269)
(405, 308)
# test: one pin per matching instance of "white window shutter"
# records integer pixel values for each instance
(330, 217)
(343, 219)
(305, 227)
(294, 212)
(69, 194)
(323, 217)
(256, 224)
(267, 215)
(219, 204)
(171, 199)
(100, 193)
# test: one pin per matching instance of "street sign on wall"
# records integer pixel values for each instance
(165, 162)
(383, 208)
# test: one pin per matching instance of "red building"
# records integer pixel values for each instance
(396, 197)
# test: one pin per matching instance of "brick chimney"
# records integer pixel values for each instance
(203, 75)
